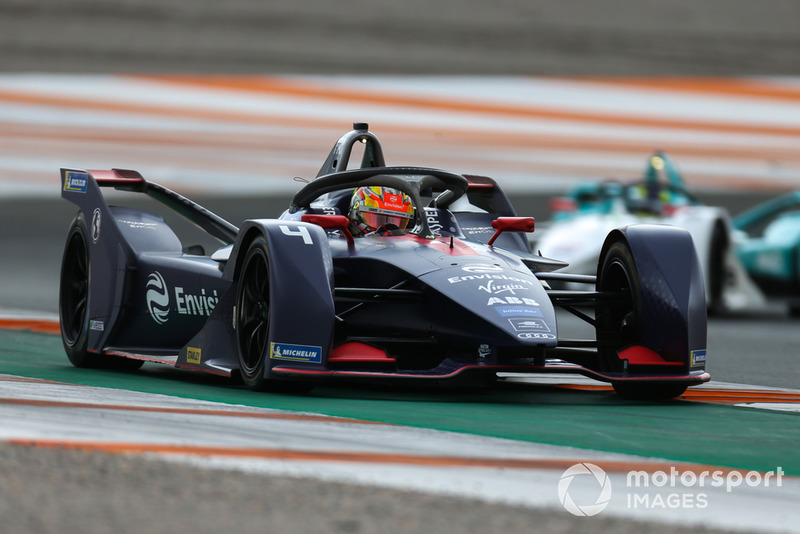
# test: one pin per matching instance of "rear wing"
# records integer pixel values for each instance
(82, 188)
(484, 193)
(487, 202)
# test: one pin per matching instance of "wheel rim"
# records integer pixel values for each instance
(619, 326)
(622, 320)
(253, 313)
(74, 289)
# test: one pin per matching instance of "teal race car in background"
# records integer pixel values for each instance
(589, 211)
(768, 244)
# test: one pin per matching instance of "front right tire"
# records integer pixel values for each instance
(253, 310)
(253, 305)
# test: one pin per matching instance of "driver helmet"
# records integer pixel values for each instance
(374, 207)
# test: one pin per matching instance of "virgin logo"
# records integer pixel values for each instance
(157, 298)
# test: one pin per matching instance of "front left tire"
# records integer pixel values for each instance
(620, 325)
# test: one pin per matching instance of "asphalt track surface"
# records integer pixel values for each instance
(75, 491)
(507, 446)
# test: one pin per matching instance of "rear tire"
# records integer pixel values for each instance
(717, 274)
(73, 304)
(74, 296)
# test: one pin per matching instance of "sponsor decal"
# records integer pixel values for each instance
(477, 230)
(529, 325)
(432, 216)
(499, 277)
(518, 311)
(493, 301)
(158, 301)
(481, 268)
(495, 288)
(75, 182)
(697, 357)
(138, 225)
(394, 201)
(435, 222)
(535, 335)
(194, 355)
(97, 325)
(157, 297)
(96, 220)
(295, 353)
(201, 304)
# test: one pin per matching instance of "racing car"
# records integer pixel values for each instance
(768, 244)
(452, 294)
(581, 219)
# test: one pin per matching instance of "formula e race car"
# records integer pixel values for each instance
(768, 244)
(455, 297)
(582, 218)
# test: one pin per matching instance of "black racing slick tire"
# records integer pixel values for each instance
(253, 304)
(74, 295)
(253, 309)
(620, 325)
(717, 274)
(73, 303)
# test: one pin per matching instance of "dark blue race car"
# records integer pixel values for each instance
(451, 294)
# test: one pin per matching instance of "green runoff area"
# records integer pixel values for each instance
(683, 431)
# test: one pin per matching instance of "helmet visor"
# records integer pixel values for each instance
(376, 220)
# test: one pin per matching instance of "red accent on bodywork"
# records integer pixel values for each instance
(330, 222)
(358, 352)
(442, 244)
(115, 177)
(638, 355)
(479, 182)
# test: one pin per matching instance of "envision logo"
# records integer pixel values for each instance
(96, 217)
(591, 477)
(157, 298)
